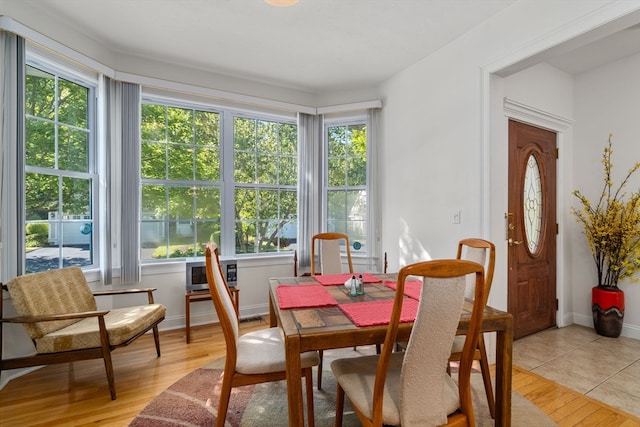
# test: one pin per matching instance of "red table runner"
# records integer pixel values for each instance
(372, 313)
(412, 288)
(339, 279)
(303, 296)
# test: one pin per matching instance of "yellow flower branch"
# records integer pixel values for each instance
(612, 226)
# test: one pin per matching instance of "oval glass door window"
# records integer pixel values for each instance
(532, 196)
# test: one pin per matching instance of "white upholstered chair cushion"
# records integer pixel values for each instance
(357, 377)
(262, 351)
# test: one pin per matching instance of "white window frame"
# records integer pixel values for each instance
(228, 112)
(346, 120)
(39, 58)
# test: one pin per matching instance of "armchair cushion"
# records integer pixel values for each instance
(121, 323)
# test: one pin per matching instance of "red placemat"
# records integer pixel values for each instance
(339, 279)
(371, 313)
(303, 296)
(412, 288)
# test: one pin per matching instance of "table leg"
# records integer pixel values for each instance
(294, 382)
(187, 310)
(504, 346)
(273, 322)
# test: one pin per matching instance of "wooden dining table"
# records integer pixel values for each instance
(328, 327)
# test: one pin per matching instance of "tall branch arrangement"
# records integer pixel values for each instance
(612, 226)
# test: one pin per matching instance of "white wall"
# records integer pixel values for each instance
(445, 136)
(607, 100)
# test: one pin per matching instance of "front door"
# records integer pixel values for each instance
(531, 228)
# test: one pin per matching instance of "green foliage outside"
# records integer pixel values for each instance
(37, 235)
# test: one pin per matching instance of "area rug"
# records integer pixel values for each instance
(192, 402)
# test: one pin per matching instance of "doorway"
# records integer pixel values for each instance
(531, 228)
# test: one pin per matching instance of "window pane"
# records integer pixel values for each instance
(153, 161)
(208, 231)
(246, 214)
(76, 196)
(337, 172)
(207, 166)
(73, 150)
(244, 170)
(208, 203)
(72, 104)
(245, 237)
(532, 201)
(357, 172)
(288, 171)
(154, 239)
(207, 128)
(180, 125)
(40, 90)
(41, 196)
(267, 167)
(244, 134)
(181, 205)
(152, 123)
(154, 202)
(40, 149)
(180, 162)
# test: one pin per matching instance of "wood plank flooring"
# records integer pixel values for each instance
(77, 394)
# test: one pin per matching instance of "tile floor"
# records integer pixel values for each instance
(605, 369)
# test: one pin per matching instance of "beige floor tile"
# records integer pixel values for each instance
(606, 369)
(575, 381)
(617, 398)
(625, 381)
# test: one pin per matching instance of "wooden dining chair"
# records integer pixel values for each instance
(330, 262)
(253, 358)
(413, 387)
(329, 253)
(484, 253)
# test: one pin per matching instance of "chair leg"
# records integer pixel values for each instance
(108, 367)
(486, 377)
(339, 406)
(106, 356)
(320, 354)
(225, 396)
(156, 338)
(308, 374)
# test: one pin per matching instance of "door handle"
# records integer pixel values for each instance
(514, 242)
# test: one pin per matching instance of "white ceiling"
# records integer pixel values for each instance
(316, 45)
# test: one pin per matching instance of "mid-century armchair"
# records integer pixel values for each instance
(60, 314)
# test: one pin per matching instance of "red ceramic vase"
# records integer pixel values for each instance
(607, 306)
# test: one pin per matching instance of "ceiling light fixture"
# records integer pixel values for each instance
(282, 3)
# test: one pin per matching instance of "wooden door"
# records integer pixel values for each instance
(531, 228)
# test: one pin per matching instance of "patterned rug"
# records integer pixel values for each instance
(192, 402)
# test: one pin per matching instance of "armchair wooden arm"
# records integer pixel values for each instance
(53, 317)
(149, 292)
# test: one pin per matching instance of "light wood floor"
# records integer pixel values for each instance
(77, 394)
